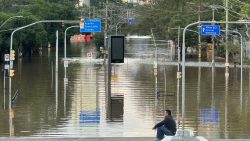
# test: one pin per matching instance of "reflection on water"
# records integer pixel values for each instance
(213, 101)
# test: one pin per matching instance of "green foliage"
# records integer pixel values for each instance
(164, 15)
(39, 35)
(101, 3)
(233, 48)
(99, 40)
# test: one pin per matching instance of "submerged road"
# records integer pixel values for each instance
(160, 62)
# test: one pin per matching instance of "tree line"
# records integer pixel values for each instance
(30, 39)
(164, 16)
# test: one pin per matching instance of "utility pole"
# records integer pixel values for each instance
(227, 62)
(178, 78)
(213, 39)
(199, 37)
(106, 25)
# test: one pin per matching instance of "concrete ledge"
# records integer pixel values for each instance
(79, 139)
(98, 139)
(230, 140)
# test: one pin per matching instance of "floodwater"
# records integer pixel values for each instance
(216, 107)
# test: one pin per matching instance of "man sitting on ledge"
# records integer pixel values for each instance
(166, 126)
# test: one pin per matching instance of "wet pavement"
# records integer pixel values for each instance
(100, 139)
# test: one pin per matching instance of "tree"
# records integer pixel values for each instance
(34, 10)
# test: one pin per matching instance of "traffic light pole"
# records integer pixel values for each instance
(65, 45)
(29, 25)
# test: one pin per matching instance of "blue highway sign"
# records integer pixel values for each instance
(210, 30)
(91, 25)
(131, 21)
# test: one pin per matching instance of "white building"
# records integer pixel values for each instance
(137, 1)
(82, 2)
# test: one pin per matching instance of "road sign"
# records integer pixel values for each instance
(210, 30)
(131, 21)
(89, 54)
(6, 57)
(11, 64)
(66, 81)
(66, 63)
(91, 25)
(6, 66)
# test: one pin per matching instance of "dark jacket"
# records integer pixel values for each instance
(169, 123)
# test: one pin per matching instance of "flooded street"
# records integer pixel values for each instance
(215, 106)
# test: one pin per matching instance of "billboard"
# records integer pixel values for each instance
(117, 49)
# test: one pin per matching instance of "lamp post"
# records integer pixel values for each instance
(66, 63)
(241, 63)
(11, 44)
(183, 59)
(9, 20)
(179, 72)
(199, 19)
(4, 60)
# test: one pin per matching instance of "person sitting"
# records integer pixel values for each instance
(166, 126)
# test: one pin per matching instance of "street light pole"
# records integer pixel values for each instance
(23, 27)
(9, 20)
(213, 39)
(199, 36)
(106, 25)
(183, 60)
(241, 63)
(227, 59)
(178, 79)
(65, 55)
(4, 60)
(65, 41)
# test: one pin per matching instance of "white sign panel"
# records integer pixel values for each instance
(6, 67)
(66, 63)
(6, 57)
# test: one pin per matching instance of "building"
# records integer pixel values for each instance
(137, 1)
(82, 2)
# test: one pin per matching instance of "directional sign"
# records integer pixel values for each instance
(131, 21)
(210, 30)
(91, 25)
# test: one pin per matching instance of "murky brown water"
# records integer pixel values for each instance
(214, 107)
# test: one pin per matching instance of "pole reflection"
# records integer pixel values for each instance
(198, 97)
(56, 73)
(11, 116)
(212, 100)
(65, 90)
(4, 94)
(241, 89)
(226, 103)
